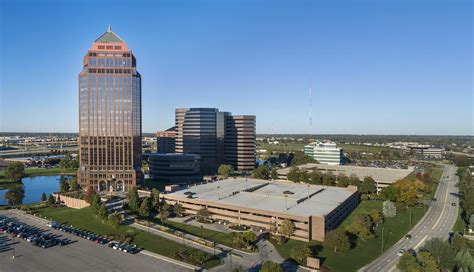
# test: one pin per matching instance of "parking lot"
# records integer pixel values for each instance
(80, 255)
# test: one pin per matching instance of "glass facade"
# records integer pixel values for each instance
(109, 118)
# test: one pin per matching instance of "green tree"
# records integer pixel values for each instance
(390, 193)
(303, 176)
(178, 209)
(133, 200)
(367, 186)
(95, 204)
(103, 212)
(362, 227)
(63, 185)
(43, 197)
(261, 172)
(342, 180)
(15, 171)
(338, 240)
(164, 214)
(354, 180)
(15, 195)
(293, 174)
(74, 185)
(427, 261)
(442, 252)
(464, 261)
(300, 158)
(408, 263)
(225, 170)
(287, 228)
(377, 216)
(155, 199)
(300, 253)
(269, 266)
(274, 174)
(203, 214)
(144, 209)
(316, 177)
(68, 162)
(115, 219)
(51, 200)
(329, 178)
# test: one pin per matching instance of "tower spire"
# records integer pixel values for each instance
(109, 29)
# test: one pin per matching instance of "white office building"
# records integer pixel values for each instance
(324, 152)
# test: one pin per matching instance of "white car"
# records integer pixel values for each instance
(401, 252)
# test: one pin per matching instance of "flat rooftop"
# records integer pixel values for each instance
(381, 175)
(270, 196)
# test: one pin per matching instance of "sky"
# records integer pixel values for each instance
(374, 67)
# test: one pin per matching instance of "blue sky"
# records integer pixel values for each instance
(376, 67)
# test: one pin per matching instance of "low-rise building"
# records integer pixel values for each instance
(325, 152)
(314, 209)
(175, 168)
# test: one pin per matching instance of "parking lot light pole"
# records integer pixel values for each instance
(382, 239)
(13, 246)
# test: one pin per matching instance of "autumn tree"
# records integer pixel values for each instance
(338, 240)
(287, 228)
(15, 171)
(225, 170)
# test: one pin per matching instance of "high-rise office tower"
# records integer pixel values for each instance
(166, 140)
(240, 142)
(110, 121)
(218, 137)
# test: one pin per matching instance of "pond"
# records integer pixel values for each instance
(31, 190)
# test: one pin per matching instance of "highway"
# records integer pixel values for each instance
(438, 221)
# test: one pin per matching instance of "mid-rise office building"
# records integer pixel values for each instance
(110, 121)
(166, 141)
(325, 152)
(240, 143)
(175, 168)
(215, 137)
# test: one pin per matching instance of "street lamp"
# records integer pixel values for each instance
(308, 190)
(218, 192)
(286, 202)
(382, 239)
(201, 231)
(13, 246)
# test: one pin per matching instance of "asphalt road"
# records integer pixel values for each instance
(82, 255)
(438, 221)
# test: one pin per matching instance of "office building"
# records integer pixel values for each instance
(240, 143)
(218, 137)
(427, 151)
(324, 152)
(175, 168)
(166, 141)
(110, 121)
(314, 209)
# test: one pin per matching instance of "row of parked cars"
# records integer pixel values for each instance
(31, 234)
(126, 248)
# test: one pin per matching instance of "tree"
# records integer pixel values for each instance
(293, 174)
(68, 162)
(261, 172)
(367, 186)
(354, 180)
(198, 257)
(274, 174)
(155, 199)
(103, 212)
(300, 253)
(442, 252)
(63, 185)
(427, 261)
(342, 180)
(115, 219)
(203, 214)
(390, 193)
(361, 226)
(144, 209)
(43, 197)
(338, 240)
(408, 263)
(389, 209)
(328, 178)
(303, 176)
(464, 261)
(15, 171)
(225, 170)
(287, 228)
(15, 195)
(74, 185)
(300, 158)
(95, 204)
(164, 214)
(90, 192)
(269, 266)
(133, 200)
(178, 209)
(316, 177)
(377, 216)
(51, 200)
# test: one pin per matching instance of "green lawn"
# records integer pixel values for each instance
(365, 251)
(211, 235)
(459, 226)
(85, 219)
(49, 171)
(363, 148)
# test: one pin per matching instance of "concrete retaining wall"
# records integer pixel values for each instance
(72, 202)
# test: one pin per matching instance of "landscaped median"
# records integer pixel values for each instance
(86, 219)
